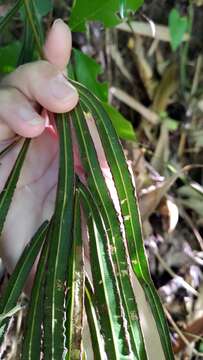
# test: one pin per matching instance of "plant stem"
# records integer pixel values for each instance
(29, 7)
(184, 53)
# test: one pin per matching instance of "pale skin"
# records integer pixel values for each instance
(23, 94)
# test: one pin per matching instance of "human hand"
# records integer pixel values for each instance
(22, 95)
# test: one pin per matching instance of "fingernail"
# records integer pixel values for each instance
(57, 21)
(35, 121)
(61, 89)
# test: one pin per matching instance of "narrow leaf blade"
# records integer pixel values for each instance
(99, 188)
(93, 322)
(19, 276)
(76, 283)
(32, 335)
(9, 188)
(105, 283)
(60, 245)
(129, 208)
(6, 19)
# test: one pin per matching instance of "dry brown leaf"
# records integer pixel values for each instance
(170, 213)
(150, 198)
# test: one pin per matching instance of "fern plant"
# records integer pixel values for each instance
(115, 296)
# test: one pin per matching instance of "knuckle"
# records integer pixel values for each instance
(46, 69)
(8, 94)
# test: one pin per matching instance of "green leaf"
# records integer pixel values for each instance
(98, 187)
(123, 127)
(170, 123)
(19, 276)
(105, 283)
(28, 46)
(60, 239)
(200, 349)
(32, 334)
(4, 20)
(9, 188)
(9, 56)
(178, 25)
(32, 17)
(44, 7)
(86, 71)
(2, 331)
(122, 9)
(76, 286)
(10, 313)
(105, 11)
(128, 203)
(35, 22)
(93, 322)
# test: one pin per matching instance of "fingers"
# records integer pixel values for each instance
(44, 83)
(18, 115)
(5, 133)
(58, 44)
(40, 82)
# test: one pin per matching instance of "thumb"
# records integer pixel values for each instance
(58, 44)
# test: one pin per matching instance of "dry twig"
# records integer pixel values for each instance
(143, 28)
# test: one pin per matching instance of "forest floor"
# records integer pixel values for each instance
(161, 92)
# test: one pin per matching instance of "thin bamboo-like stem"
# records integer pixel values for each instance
(28, 4)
